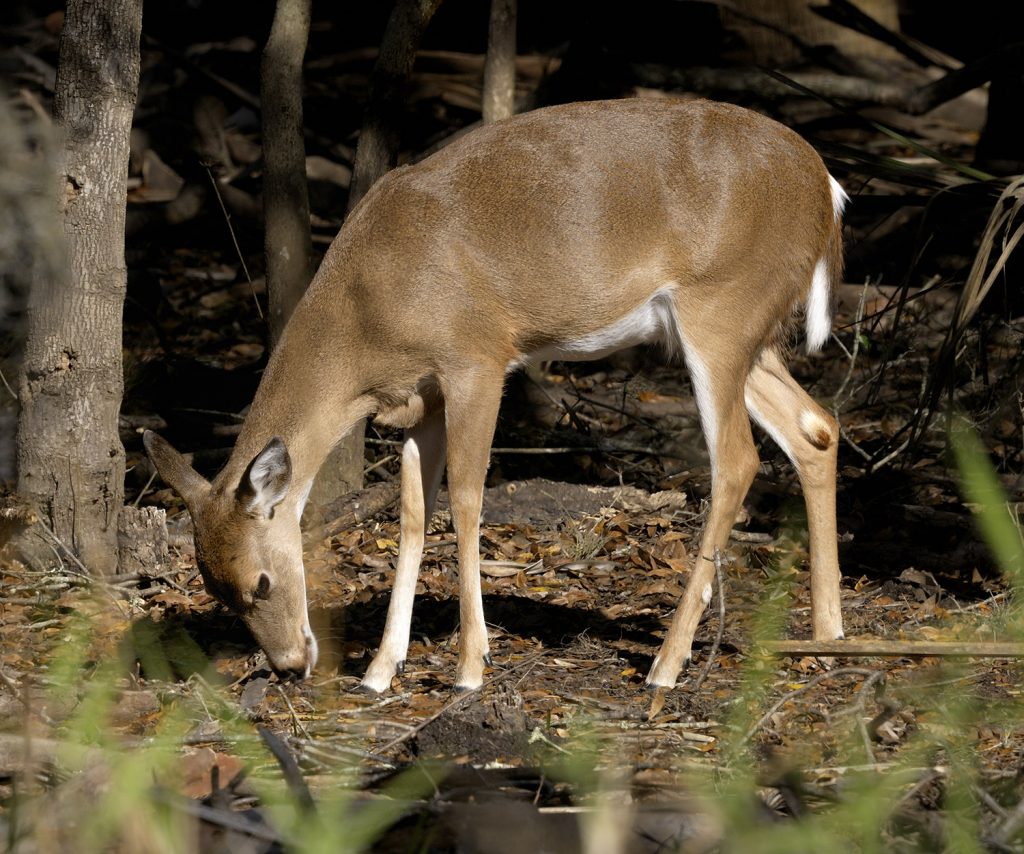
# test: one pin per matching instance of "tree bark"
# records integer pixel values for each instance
(377, 151)
(70, 459)
(500, 66)
(288, 245)
(31, 248)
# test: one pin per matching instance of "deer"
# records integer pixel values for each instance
(565, 233)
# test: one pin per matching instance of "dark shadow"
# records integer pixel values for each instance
(182, 644)
(359, 627)
(894, 526)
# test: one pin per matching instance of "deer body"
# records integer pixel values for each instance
(565, 233)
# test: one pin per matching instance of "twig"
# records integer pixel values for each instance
(888, 458)
(289, 767)
(32, 627)
(837, 401)
(754, 537)
(221, 818)
(721, 626)
(1011, 826)
(538, 736)
(295, 718)
(13, 687)
(145, 489)
(618, 410)
(461, 700)
(244, 95)
(602, 448)
(355, 509)
(87, 576)
(990, 802)
(383, 461)
(328, 753)
(857, 321)
(74, 558)
(17, 600)
(996, 597)
(811, 683)
(7, 386)
(234, 239)
(868, 731)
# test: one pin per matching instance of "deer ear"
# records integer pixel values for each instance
(174, 468)
(265, 482)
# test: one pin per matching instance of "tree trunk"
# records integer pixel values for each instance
(376, 153)
(287, 242)
(31, 249)
(500, 66)
(70, 459)
(999, 149)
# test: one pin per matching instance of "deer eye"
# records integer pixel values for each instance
(262, 590)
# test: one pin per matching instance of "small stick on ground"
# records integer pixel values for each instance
(289, 767)
(860, 647)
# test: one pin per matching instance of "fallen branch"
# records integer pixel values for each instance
(879, 647)
(753, 80)
(356, 508)
(290, 768)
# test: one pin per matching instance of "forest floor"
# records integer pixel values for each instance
(580, 581)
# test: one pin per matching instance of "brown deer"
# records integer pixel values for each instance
(565, 233)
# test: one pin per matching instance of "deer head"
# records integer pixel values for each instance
(249, 548)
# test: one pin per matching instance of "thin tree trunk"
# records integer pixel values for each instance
(31, 249)
(500, 66)
(70, 459)
(376, 153)
(287, 242)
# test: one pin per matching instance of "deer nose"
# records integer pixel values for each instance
(293, 668)
(294, 673)
(297, 666)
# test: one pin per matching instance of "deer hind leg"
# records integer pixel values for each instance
(423, 455)
(718, 387)
(810, 437)
(472, 398)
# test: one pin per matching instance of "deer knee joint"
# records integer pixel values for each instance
(819, 429)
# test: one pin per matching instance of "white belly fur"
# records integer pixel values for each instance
(652, 322)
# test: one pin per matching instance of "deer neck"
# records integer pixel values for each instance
(311, 395)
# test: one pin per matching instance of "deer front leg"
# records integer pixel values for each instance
(471, 411)
(422, 463)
